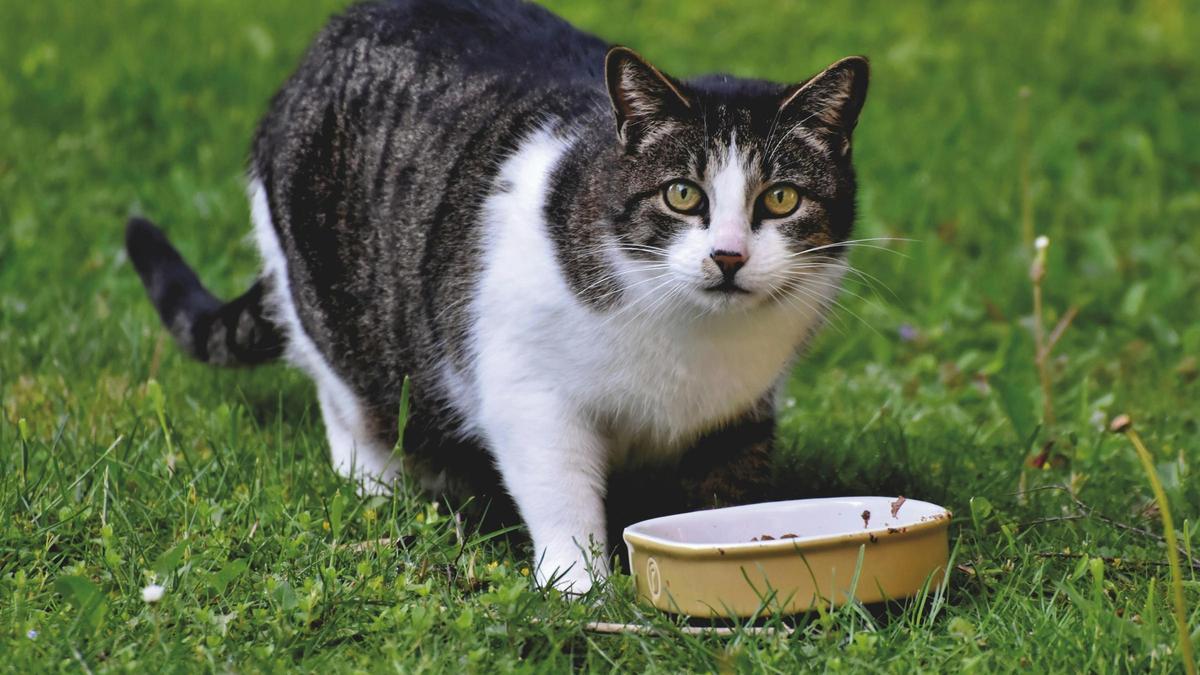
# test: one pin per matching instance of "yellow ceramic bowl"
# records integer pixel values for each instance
(718, 563)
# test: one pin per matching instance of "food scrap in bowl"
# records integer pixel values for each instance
(767, 537)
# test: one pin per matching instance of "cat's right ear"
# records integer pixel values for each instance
(643, 97)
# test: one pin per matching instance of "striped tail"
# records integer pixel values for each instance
(233, 333)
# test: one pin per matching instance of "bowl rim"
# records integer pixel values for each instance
(770, 547)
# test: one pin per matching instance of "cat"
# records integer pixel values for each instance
(584, 265)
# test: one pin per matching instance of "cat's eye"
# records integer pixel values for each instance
(683, 196)
(780, 200)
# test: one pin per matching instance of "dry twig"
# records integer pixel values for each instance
(642, 629)
(1088, 511)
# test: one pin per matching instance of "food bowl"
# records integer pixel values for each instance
(788, 557)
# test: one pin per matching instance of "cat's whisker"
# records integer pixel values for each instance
(791, 130)
(824, 283)
(805, 305)
(815, 305)
(644, 307)
(867, 279)
(856, 243)
(648, 311)
(675, 292)
(834, 302)
(771, 132)
(636, 300)
(628, 249)
(614, 274)
(859, 276)
(629, 287)
(660, 256)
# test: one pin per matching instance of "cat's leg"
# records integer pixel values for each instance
(553, 465)
(357, 454)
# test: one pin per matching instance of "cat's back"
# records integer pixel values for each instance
(430, 62)
(512, 37)
(376, 157)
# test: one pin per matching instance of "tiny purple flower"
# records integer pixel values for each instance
(908, 333)
(32, 634)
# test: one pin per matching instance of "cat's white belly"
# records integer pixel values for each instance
(645, 380)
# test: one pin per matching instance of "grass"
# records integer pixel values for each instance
(928, 387)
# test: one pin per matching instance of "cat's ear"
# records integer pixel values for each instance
(642, 95)
(831, 99)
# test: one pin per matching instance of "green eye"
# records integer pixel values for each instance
(683, 196)
(780, 199)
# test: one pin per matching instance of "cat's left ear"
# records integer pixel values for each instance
(832, 99)
(643, 97)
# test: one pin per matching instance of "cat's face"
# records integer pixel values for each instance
(736, 192)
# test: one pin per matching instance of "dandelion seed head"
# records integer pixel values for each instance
(1041, 243)
(152, 593)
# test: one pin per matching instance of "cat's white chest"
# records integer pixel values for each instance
(646, 381)
(665, 382)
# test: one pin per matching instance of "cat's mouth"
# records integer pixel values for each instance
(727, 287)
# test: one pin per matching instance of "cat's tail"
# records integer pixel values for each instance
(236, 333)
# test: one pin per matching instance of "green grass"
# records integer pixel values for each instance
(148, 106)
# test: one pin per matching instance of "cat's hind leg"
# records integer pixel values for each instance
(357, 454)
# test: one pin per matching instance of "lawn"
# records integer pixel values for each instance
(987, 124)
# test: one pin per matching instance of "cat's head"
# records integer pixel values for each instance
(736, 192)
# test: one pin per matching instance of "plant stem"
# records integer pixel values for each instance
(1039, 334)
(1185, 641)
(1037, 273)
(1023, 141)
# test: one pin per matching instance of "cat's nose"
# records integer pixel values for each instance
(729, 261)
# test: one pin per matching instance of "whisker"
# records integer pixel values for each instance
(818, 305)
(839, 288)
(807, 306)
(859, 243)
(634, 285)
(648, 310)
(867, 279)
(833, 301)
(636, 301)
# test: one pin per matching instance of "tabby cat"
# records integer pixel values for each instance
(585, 265)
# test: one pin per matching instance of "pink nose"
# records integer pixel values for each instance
(729, 262)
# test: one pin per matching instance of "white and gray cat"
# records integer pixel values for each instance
(583, 264)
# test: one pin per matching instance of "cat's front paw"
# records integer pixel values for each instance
(573, 575)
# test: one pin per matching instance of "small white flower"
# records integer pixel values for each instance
(152, 593)
(1041, 243)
